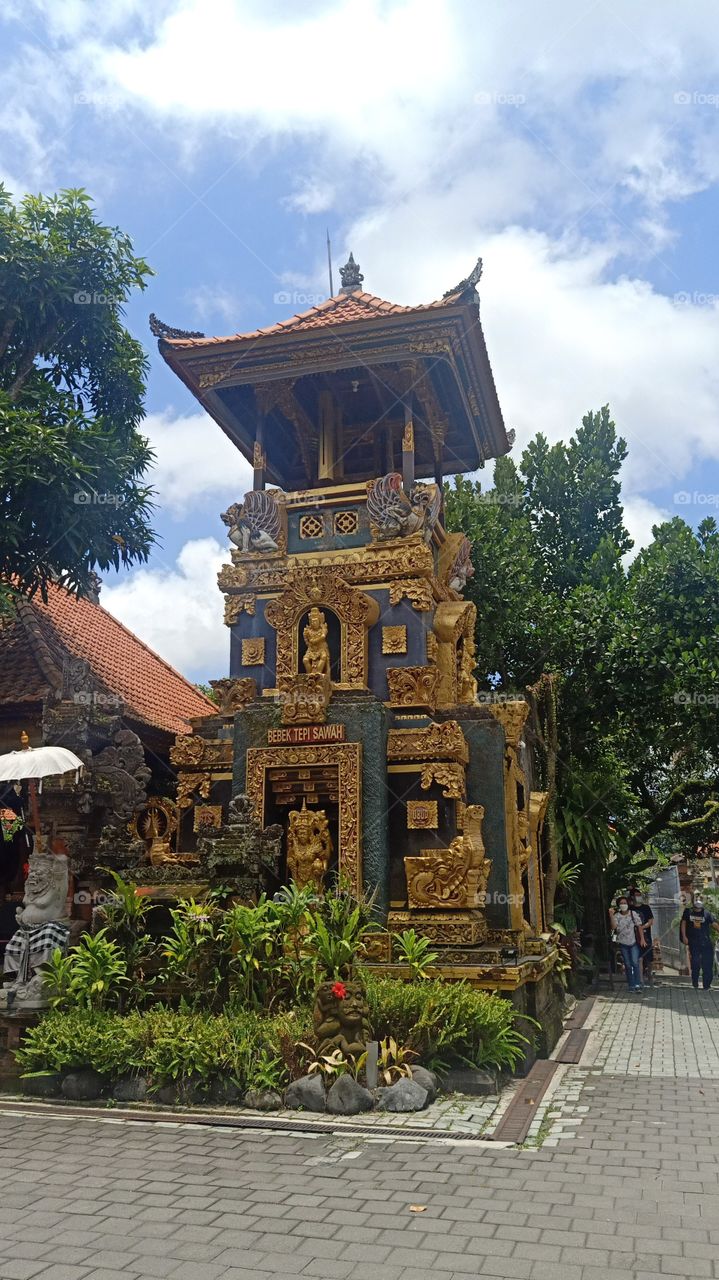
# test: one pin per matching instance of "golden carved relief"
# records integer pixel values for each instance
(394, 639)
(316, 657)
(253, 651)
(450, 776)
(304, 699)
(234, 694)
(422, 815)
(207, 817)
(235, 606)
(192, 751)
(156, 822)
(190, 785)
(408, 438)
(432, 647)
(512, 717)
(416, 590)
(309, 846)
(442, 741)
(347, 757)
(454, 621)
(453, 877)
(306, 589)
(412, 686)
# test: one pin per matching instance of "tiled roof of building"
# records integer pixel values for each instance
(33, 647)
(343, 308)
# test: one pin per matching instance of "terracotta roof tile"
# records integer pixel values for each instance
(343, 308)
(153, 692)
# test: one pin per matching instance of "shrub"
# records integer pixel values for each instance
(445, 1022)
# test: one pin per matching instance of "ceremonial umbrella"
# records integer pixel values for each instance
(32, 763)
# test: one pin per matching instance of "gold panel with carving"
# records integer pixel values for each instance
(443, 741)
(347, 756)
(253, 651)
(394, 639)
(309, 588)
(422, 815)
(412, 686)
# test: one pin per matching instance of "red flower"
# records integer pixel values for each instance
(339, 990)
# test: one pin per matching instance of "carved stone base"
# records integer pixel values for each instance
(443, 928)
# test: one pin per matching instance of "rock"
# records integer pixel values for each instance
(263, 1100)
(224, 1091)
(348, 1098)
(308, 1092)
(47, 1085)
(130, 1088)
(428, 1080)
(403, 1095)
(167, 1095)
(475, 1081)
(82, 1086)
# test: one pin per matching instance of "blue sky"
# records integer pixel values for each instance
(573, 147)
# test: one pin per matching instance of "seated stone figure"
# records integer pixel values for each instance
(43, 927)
(341, 1018)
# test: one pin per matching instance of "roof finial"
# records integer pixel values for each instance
(351, 276)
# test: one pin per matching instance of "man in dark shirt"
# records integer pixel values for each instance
(646, 916)
(696, 931)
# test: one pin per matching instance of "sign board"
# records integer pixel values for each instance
(306, 734)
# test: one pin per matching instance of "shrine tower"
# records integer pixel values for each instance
(351, 690)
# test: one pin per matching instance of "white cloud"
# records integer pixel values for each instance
(640, 516)
(195, 462)
(177, 610)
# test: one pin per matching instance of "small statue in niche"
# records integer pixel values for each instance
(341, 1018)
(43, 926)
(316, 660)
(309, 846)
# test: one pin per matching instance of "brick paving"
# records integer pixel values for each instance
(633, 1192)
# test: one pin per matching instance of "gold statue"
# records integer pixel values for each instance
(309, 846)
(316, 660)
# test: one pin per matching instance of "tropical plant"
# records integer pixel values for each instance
(393, 1060)
(329, 1065)
(93, 974)
(190, 950)
(268, 1071)
(414, 950)
(125, 914)
(252, 942)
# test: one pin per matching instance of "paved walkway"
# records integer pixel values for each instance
(633, 1192)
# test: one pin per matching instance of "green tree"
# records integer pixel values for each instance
(72, 382)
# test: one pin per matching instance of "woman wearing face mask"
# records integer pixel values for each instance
(644, 912)
(697, 933)
(627, 926)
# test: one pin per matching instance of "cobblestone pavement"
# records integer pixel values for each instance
(632, 1193)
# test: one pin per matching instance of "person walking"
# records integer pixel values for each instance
(695, 931)
(629, 930)
(646, 916)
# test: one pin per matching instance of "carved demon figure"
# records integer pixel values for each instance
(341, 1018)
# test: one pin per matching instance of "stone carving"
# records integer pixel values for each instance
(341, 1018)
(443, 741)
(155, 823)
(309, 846)
(191, 785)
(316, 658)
(459, 928)
(462, 568)
(234, 695)
(467, 662)
(121, 772)
(422, 815)
(43, 927)
(453, 877)
(412, 686)
(394, 514)
(256, 523)
(191, 751)
(304, 699)
(512, 716)
(377, 562)
(242, 853)
(351, 276)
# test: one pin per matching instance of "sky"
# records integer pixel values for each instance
(574, 147)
